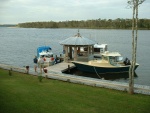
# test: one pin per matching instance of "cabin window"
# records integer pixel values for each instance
(105, 58)
(111, 58)
(96, 49)
(85, 49)
(115, 59)
(119, 59)
(101, 50)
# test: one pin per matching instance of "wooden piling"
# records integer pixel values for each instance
(69, 68)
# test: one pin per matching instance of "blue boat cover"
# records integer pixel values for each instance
(43, 48)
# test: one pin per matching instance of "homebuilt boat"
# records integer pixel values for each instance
(110, 62)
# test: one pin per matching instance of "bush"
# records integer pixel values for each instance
(40, 77)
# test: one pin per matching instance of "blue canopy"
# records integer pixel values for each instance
(43, 48)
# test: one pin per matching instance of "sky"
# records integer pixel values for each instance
(20, 11)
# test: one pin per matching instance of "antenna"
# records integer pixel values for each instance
(78, 33)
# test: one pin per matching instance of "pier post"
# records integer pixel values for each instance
(70, 51)
(69, 68)
(92, 49)
(75, 53)
(88, 51)
(27, 69)
(60, 58)
(10, 72)
(66, 53)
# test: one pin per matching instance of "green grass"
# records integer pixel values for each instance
(23, 93)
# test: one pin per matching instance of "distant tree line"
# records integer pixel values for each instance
(91, 24)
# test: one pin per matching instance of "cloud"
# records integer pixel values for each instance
(16, 11)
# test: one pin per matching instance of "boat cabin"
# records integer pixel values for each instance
(112, 57)
(99, 49)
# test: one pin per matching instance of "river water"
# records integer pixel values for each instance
(18, 45)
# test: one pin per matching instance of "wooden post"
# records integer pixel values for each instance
(75, 53)
(60, 58)
(93, 49)
(27, 69)
(69, 68)
(70, 51)
(88, 51)
(10, 72)
(66, 53)
(78, 50)
(63, 49)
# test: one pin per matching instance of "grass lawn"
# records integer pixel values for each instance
(22, 93)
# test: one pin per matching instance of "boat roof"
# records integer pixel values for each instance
(100, 45)
(107, 53)
(42, 48)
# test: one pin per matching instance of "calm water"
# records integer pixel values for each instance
(18, 45)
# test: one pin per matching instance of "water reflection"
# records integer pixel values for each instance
(114, 76)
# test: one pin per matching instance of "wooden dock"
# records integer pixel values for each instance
(60, 67)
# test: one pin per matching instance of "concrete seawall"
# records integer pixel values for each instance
(140, 89)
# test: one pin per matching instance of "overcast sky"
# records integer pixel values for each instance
(19, 11)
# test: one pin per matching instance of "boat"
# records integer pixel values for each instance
(47, 54)
(110, 62)
(44, 51)
(99, 49)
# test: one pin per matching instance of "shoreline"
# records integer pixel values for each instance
(120, 86)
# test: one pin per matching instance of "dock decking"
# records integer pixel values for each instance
(60, 67)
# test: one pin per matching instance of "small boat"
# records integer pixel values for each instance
(99, 49)
(47, 54)
(44, 50)
(110, 62)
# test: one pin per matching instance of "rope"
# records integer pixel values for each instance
(97, 73)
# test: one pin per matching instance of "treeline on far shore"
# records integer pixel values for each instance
(118, 23)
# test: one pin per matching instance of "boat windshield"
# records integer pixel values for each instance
(114, 59)
(104, 57)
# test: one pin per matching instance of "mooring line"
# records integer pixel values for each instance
(97, 73)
